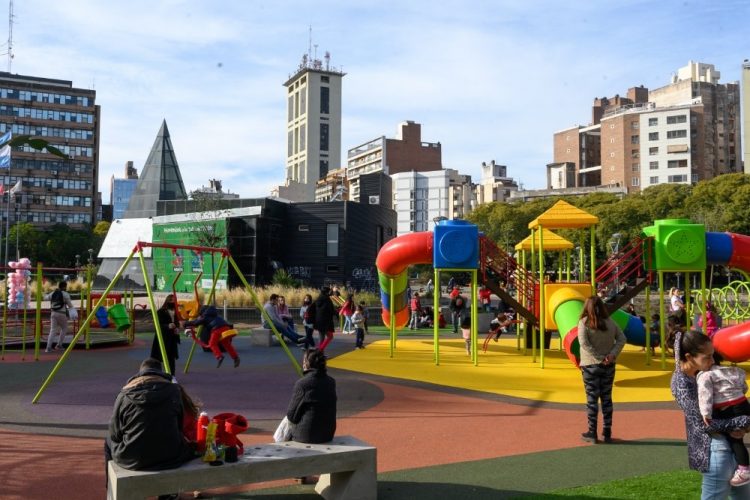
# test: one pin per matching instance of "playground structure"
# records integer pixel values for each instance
(669, 246)
(226, 258)
(19, 330)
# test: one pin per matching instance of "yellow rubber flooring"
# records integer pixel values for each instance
(507, 371)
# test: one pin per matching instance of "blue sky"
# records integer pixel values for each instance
(488, 80)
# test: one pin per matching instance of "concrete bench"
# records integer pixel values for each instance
(263, 337)
(347, 468)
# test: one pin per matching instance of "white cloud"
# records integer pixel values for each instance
(488, 80)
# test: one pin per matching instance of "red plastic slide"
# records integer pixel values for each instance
(392, 262)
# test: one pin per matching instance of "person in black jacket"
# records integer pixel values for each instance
(312, 409)
(170, 333)
(145, 432)
(324, 317)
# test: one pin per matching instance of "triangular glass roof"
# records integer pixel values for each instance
(159, 180)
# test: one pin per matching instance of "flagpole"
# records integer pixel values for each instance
(7, 227)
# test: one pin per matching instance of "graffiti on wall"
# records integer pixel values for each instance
(365, 278)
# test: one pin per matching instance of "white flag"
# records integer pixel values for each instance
(17, 188)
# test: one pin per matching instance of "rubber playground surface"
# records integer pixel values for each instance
(505, 428)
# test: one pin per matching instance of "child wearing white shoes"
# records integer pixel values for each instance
(721, 395)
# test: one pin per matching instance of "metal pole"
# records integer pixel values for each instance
(7, 226)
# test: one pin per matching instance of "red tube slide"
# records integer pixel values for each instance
(392, 262)
(733, 342)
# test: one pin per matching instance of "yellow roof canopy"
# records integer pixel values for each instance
(563, 215)
(551, 241)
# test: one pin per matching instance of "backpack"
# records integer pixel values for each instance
(57, 302)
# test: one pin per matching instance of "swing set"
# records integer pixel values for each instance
(186, 309)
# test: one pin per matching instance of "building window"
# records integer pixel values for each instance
(290, 109)
(678, 178)
(332, 240)
(677, 164)
(671, 120)
(634, 125)
(290, 143)
(653, 151)
(653, 136)
(302, 101)
(635, 181)
(324, 100)
(302, 134)
(676, 134)
(296, 104)
(323, 169)
(612, 140)
(324, 137)
(612, 154)
(635, 153)
(324, 79)
(634, 139)
(654, 179)
(652, 122)
(636, 167)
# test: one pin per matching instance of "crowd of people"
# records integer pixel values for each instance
(154, 419)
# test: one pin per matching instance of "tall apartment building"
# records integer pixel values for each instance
(421, 197)
(121, 190)
(495, 185)
(55, 190)
(746, 114)
(404, 153)
(683, 132)
(313, 127)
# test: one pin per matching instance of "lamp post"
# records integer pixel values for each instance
(91, 256)
(78, 267)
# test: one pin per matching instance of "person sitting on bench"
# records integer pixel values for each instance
(145, 432)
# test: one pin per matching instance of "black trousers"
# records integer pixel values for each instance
(598, 381)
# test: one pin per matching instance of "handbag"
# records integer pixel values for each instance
(72, 313)
(283, 431)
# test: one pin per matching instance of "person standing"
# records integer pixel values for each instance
(170, 333)
(709, 451)
(457, 307)
(324, 317)
(358, 319)
(307, 313)
(416, 308)
(60, 303)
(312, 408)
(347, 310)
(601, 341)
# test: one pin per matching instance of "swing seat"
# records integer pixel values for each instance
(189, 309)
(228, 333)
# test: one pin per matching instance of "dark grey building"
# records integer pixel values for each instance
(317, 243)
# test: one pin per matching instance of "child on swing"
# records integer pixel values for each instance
(221, 333)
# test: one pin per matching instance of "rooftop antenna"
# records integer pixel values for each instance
(10, 35)
(309, 43)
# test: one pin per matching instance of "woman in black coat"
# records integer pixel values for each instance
(324, 316)
(312, 409)
(170, 333)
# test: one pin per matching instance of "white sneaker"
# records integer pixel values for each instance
(741, 477)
